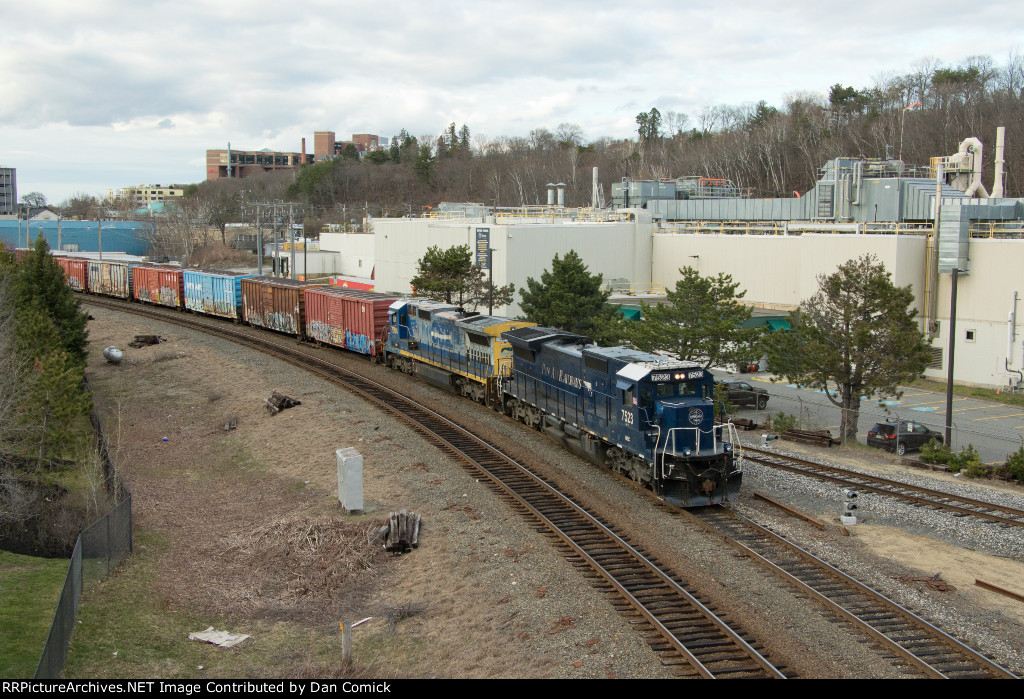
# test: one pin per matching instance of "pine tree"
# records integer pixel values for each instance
(569, 298)
(702, 322)
(857, 334)
(450, 276)
(39, 283)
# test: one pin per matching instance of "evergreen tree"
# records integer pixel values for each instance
(49, 344)
(39, 284)
(857, 334)
(424, 164)
(570, 298)
(54, 399)
(700, 323)
(450, 276)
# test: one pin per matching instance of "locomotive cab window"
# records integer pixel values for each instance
(647, 399)
(669, 390)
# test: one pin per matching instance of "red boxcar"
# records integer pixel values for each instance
(275, 303)
(76, 270)
(348, 318)
(162, 285)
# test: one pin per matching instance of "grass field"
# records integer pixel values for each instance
(29, 590)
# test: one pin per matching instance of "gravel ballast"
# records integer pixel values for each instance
(493, 598)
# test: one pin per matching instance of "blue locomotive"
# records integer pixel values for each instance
(637, 413)
(448, 347)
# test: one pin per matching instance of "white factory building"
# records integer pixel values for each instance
(774, 253)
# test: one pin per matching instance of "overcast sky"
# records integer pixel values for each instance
(112, 93)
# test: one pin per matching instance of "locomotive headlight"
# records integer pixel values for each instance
(686, 452)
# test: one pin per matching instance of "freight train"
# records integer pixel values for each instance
(642, 415)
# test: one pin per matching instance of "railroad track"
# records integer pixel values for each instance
(962, 506)
(895, 629)
(686, 630)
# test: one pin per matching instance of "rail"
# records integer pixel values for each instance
(558, 214)
(997, 229)
(635, 289)
(894, 628)
(684, 623)
(792, 228)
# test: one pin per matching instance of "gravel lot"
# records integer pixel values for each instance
(486, 595)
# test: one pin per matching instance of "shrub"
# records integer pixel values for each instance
(1015, 464)
(935, 453)
(782, 422)
(968, 459)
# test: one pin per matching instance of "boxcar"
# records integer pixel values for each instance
(76, 271)
(158, 284)
(110, 278)
(354, 319)
(214, 293)
(274, 303)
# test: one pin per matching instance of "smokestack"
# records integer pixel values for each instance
(593, 191)
(997, 184)
(561, 194)
(303, 151)
(551, 193)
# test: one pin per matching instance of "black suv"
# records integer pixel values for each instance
(902, 436)
(742, 393)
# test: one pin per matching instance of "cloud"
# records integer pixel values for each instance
(194, 74)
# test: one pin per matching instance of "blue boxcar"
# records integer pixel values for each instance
(214, 293)
(637, 413)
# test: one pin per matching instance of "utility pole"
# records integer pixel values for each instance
(291, 233)
(949, 362)
(490, 281)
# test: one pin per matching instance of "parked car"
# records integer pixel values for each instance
(742, 393)
(901, 436)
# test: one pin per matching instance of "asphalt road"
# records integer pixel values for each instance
(994, 429)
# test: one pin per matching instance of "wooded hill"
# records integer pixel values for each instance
(764, 149)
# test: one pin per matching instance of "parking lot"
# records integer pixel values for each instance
(994, 429)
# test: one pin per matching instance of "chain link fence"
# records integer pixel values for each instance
(98, 550)
(817, 412)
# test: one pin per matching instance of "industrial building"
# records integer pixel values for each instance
(8, 191)
(144, 195)
(775, 248)
(228, 163)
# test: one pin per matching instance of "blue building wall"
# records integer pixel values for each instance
(118, 236)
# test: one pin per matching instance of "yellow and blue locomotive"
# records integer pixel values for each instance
(448, 347)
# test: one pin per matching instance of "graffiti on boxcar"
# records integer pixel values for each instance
(359, 343)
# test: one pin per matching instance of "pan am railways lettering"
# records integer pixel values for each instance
(568, 379)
